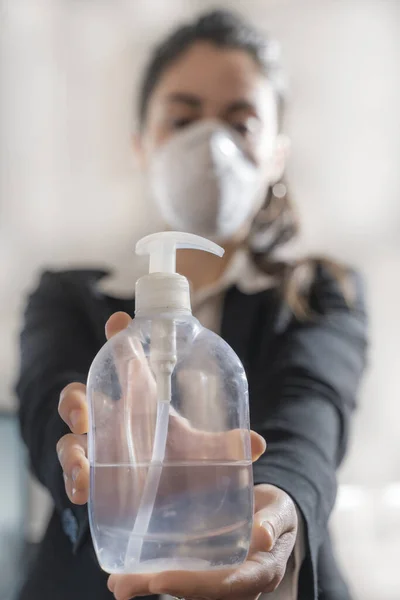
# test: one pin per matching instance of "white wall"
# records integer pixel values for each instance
(70, 194)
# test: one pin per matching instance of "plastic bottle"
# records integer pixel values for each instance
(169, 445)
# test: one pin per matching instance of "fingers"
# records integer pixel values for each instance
(73, 409)
(247, 581)
(226, 445)
(232, 445)
(191, 584)
(125, 587)
(273, 539)
(275, 515)
(116, 323)
(258, 445)
(126, 348)
(71, 451)
(72, 406)
(71, 448)
(261, 573)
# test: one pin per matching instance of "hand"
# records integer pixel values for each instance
(273, 538)
(72, 448)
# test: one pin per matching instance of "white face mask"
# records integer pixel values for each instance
(204, 183)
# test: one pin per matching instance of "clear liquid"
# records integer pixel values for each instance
(202, 516)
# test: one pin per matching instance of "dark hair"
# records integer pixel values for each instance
(276, 223)
(224, 29)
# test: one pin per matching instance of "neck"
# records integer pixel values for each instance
(202, 268)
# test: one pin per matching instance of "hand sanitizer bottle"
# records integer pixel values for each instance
(169, 442)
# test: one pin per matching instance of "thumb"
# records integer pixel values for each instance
(116, 323)
(258, 445)
(275, 517)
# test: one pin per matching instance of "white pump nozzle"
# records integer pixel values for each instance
(163, 289)
(162, 248)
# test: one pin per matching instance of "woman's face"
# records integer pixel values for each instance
(208, 82)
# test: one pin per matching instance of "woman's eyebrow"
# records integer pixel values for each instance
(185, 98)
(241, 105)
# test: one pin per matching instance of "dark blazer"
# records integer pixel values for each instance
(303, 379)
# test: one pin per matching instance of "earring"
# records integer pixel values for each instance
(279, 190)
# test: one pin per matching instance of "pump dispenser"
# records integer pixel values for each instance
(164, 288)
(168, 443)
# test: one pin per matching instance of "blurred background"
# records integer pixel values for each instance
(70, 195)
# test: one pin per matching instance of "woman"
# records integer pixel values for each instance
(211, 145)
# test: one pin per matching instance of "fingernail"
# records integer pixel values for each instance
(75, 473)
(73, 491)
(269, 529)
(74, 417)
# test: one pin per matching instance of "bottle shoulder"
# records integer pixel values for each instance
(194, 346)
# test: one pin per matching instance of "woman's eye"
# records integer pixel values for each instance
(241, 128)
(181, 123)
(248, 127)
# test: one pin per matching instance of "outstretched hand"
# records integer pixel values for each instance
(273, 537)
